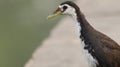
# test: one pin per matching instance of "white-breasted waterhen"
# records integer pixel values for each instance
(100, 50)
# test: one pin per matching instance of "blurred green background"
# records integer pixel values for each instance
(23, 26)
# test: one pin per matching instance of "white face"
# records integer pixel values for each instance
(66, 9)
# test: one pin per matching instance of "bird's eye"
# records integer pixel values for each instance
(64, 7)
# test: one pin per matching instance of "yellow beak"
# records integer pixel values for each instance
(53, 15)
(56, 13)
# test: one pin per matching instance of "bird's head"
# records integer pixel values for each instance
(65, 8)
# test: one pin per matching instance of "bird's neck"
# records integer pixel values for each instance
(82, 24)
(85, 30)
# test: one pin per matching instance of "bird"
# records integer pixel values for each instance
(99, 49)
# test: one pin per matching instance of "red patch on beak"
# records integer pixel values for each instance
(57, 10)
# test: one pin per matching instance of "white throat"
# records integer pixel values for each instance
(78, 27)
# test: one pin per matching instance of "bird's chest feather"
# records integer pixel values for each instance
(87, 49)
(92, 62)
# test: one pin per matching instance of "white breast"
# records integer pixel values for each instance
(90, 60)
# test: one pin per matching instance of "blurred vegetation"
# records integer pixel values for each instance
(23, 26)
